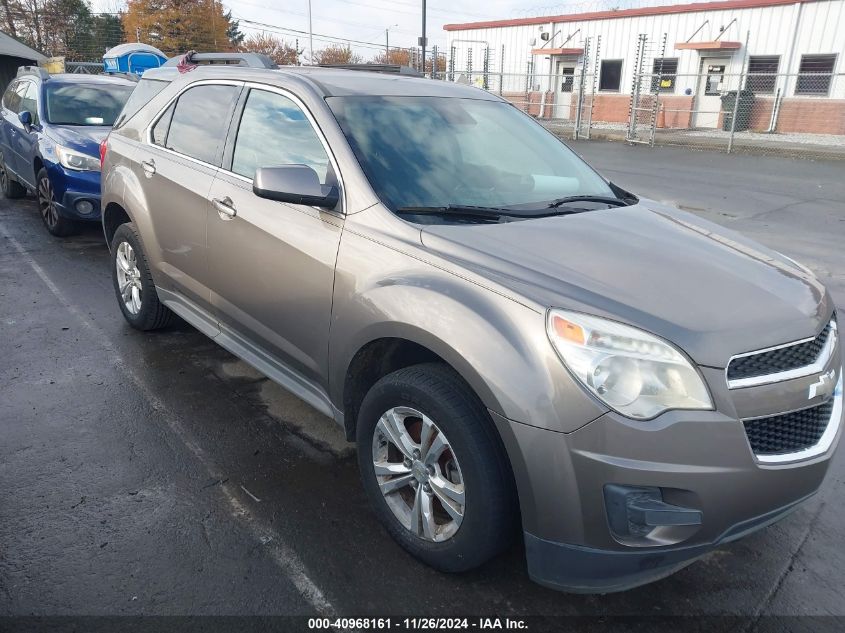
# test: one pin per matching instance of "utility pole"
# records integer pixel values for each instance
(387, 43)
(310, 36)
(422, 39)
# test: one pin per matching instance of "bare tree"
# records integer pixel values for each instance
(337, 54)
(275, 48)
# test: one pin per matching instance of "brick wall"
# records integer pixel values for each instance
(797, 115)
(530, 102)
(813, 116)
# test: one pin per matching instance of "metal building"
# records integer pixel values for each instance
(780, 64)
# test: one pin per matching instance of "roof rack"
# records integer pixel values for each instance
(128, 76)
(33, 70)
(253, 60)
(396, 69)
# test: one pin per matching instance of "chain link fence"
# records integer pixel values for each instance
(780, 114)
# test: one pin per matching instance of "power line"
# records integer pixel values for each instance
(328, 19)
(318, 36)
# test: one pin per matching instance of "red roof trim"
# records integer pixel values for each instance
(624, 13)
(708, 46)
(557, 51)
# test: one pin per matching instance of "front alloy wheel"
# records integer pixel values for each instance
(434, 469)
(418, 474)
(49, 209)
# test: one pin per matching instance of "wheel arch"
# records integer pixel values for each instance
(37, 165)
(113, 216)
(393, 350)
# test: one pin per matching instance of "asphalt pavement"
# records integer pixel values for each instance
(156, 474)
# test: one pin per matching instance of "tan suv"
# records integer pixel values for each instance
(514, 342)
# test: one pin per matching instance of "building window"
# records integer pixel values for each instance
(610, 77)
(663, 74)
(814, 74)
(762, 73)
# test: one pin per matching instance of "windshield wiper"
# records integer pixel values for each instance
(460, 211)
(616, 202)
(495, 214)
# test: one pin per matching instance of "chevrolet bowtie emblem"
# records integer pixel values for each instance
(824, 386)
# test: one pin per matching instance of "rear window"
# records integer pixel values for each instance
(85, 104)
(141, 96)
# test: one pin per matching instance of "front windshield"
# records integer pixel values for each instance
(85, 104)
(435, 152)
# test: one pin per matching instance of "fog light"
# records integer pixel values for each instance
(84, 207)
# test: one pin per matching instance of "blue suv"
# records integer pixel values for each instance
(49, 141)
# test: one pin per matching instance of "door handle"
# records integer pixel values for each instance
(149, 167)
(225, 208)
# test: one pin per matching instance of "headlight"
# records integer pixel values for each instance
(77, 161)
(633, 372)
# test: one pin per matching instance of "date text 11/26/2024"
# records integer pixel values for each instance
(418, 624)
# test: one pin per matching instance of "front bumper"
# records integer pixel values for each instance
(71, 187)
(699, 463)
(579, 569)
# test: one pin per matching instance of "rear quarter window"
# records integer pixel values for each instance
(143, 93)
(200, 122)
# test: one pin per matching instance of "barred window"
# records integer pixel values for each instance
(814, 74)
(663, 72)
(762, 73)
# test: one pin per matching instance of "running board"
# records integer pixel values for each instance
(235, 344)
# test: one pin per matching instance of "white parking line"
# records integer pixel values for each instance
(282, 555)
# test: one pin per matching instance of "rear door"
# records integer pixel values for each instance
(177, 167)
(16, 130)
(271, 264)
(11, 103)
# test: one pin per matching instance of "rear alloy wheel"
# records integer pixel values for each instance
(49, 209)
(128, 277)
(434, 469)
(133, 283)
(11, 188)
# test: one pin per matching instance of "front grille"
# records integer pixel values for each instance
(788, 432)
(778, 360)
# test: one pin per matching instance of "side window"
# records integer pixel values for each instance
(200, 120)
(29, 101)
(162, 125)
(11, 99)
(274, 131)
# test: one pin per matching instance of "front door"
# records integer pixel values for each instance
(565, 82)
(27, 140)
(272, 263)
(708, 96)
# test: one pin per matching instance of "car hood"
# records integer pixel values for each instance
(82, 138)
(709, 290)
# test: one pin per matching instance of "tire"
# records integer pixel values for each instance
(11, 188)
(47, 206)
(141, 306)
(475, 462)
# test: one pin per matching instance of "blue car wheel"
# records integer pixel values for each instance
(49, 208)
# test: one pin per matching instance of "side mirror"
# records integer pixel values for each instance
(25, 117)
(297, 184)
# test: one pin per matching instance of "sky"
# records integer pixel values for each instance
(363, 22)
